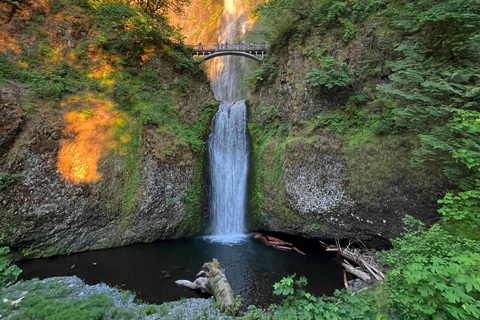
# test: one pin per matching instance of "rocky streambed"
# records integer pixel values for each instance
(58, 295)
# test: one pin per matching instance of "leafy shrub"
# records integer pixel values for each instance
(8, 272)
(185, 198)
(299, 304)
(332, 74)
(128, 29)
(170, 203)
(10, 71)
(184, 61)
(294, 19)
(270, 113)
(6, 179)
(434, 275)
(266, 73)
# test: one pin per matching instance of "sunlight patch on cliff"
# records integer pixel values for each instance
(87, 137)
(7, 43)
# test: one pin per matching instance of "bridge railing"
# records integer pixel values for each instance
(231, 47)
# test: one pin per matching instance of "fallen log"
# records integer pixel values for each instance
(270, 238)
(280, 243)
(215, 282)
(373, 273)
(198, 284)
(299, 251)
(276, 243)
(283, 248)
(345, 282)
(357, 272)
(265, 241)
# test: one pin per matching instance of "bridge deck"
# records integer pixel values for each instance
(255, 52)
(231, 47)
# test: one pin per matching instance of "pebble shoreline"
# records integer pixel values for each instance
(187, 309)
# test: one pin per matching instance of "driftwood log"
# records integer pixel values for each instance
(360, 262)
(276, 243)
(215, 283)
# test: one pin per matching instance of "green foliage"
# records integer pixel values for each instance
(295, 20)
(184, 61)
(270, 113)
(463, 206)
(128, 29)
(56, 300)
(332, 74)
(170, 203)
(265, 74)
(29, 251)
(269, 138)
(8, 272)
(92, 307)
(9, 71)
(153, 7)
(6, 179)
(444, 29)
(299, 304)
(436, 99)
(434, 275)
(51, 86)
(185, 198)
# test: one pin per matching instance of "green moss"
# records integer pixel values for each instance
(380, 161)
(267, 191)
(462, 229)
(193, 222)
(132, 162)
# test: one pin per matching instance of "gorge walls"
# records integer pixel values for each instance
(318, 168)
(96, 150)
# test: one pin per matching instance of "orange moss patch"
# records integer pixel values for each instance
(7, 43)
(87, 135)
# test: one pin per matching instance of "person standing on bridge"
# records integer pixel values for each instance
(200, 47)
(226, 45)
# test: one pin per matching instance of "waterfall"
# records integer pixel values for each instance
(226, 72)
(228, 154)
(228, 143)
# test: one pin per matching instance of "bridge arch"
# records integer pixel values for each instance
(234, 53)
(252, 51)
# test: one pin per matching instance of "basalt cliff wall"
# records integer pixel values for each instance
(317, 169)
(80, 167)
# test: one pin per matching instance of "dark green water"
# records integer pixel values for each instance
(151, 269)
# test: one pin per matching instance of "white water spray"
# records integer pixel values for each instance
(228, 143)
(228, 154)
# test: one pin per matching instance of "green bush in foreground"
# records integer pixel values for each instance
(435, 274)
(8, 272)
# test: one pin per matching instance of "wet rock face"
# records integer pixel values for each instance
(316, 187)
(329, 187)
(42, 210)
(318, 196)
(11, 116)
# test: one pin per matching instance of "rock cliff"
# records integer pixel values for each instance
(316, 174)
(81, 172)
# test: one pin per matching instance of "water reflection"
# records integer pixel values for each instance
(151, 269)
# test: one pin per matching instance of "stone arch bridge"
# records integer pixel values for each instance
(255, 52)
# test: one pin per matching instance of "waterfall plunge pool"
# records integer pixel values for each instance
(150, 270)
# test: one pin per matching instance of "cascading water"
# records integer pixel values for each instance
(226, 72)
(228, 142)
(228, 153)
